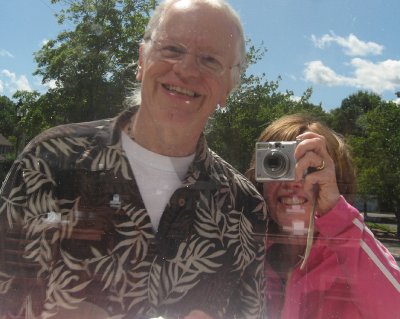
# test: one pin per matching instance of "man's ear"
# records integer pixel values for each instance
(222, 100)
(139, 72)
(229, 89)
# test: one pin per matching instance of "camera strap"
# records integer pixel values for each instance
(310, 233)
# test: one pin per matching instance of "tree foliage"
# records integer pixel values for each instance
(233, 131)
(345, 118)
(8, 119)
(34, 115)
(8, 114)
(378, 155)
(91, 65)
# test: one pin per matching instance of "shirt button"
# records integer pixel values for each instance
(181, 202)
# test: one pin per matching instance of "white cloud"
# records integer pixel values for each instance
(316, 72)
(43, 42)
(381, 76)
(377, 77)
(351, 45)
(12, 82)
(1, 87)
(6, 53)
(397, 101)
(42, 87)
(295, 98)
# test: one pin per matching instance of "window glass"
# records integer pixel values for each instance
(176, 166)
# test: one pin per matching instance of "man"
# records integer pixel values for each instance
(135, 217)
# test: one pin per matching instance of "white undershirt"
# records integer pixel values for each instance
(157, 176)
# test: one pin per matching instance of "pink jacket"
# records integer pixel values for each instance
(349, 274)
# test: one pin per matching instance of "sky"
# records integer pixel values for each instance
(335, 47)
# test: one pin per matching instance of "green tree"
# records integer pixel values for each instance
(377, 156)
(8, 116)
(8, 120)
(91, 66)
(233, 131)
(31, 118)
(345, 118)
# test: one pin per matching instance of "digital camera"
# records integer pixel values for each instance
(275, 161)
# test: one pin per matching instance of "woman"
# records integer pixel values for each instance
(343, 271)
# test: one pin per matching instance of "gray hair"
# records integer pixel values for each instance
(158, 16)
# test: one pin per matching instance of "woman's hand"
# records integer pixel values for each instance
(312, 153)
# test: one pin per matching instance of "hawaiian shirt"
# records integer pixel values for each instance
(74, 231)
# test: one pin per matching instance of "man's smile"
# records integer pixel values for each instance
(180, 90)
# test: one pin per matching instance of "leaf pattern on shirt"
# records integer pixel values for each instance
(12, 205)
(233, 226)
(249, 296)
(137, 237)
(62, 289)
(36, 173)
(123, 270)
(112, 158)
(5, 282)
(64, 145)
(211, 222)
(154, 282)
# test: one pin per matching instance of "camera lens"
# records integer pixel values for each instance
(276, 164)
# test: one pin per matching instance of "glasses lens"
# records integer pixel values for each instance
(210, 64)
(172, 51)
(175, 52)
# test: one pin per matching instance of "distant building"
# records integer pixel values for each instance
(5, 146)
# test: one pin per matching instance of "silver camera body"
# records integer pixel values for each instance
(275, 161)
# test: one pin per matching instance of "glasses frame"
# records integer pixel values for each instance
(165, 49)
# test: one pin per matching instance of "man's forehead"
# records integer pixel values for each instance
(201, 8)
(183, 4)
(189, 15)
(198, 23)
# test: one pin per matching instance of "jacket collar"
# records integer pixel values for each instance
(203, 167)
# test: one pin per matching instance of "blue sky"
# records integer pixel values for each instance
(334, 46)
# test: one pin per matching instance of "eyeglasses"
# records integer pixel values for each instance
(174, 52)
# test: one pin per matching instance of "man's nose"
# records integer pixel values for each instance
(188, 66)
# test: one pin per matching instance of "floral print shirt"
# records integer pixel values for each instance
(75, 234)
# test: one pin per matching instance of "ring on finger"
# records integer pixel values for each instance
(321, 167)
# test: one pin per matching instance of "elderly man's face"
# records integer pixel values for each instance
(186, 71)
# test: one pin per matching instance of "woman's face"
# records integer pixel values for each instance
(288, 205)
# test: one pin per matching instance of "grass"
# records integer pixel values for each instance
(382, 227)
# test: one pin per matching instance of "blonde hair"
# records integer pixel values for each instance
(288, 127)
